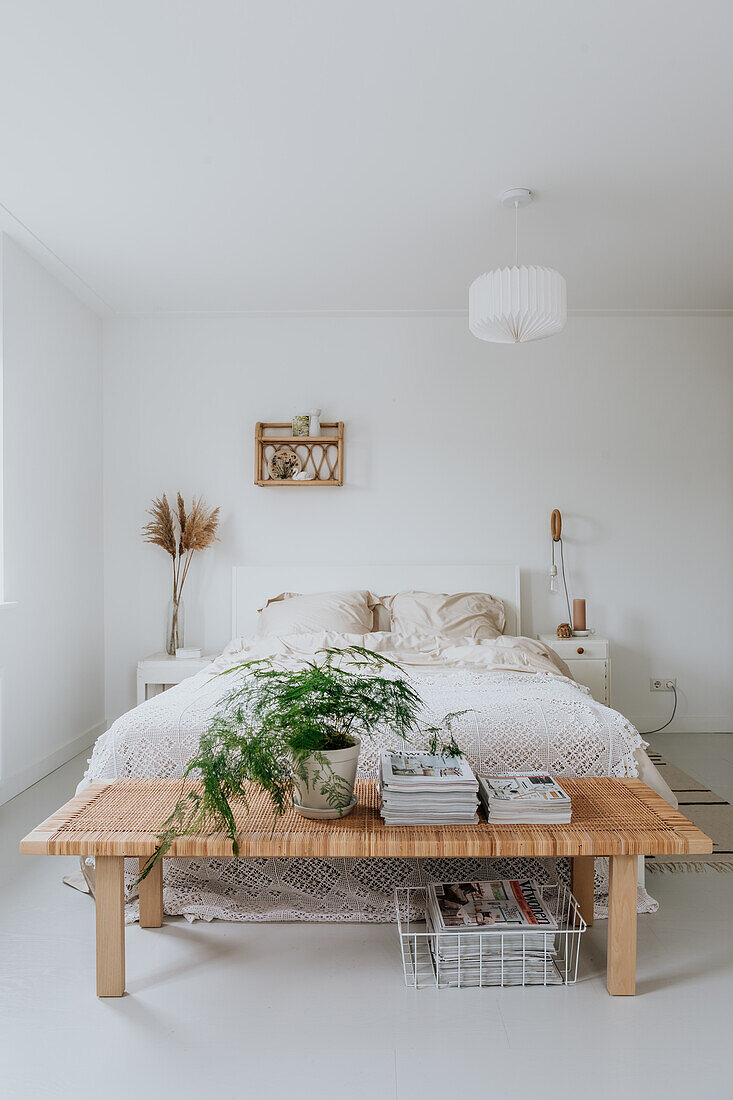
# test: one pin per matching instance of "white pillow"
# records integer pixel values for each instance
(460, 615)
(342, 612)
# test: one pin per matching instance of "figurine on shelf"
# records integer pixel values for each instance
(564, 630)
(304, 475)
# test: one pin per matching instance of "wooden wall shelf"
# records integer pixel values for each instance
(322, 455)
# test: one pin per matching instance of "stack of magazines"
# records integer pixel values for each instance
(529, 799)
(419, 788)
(468, 919)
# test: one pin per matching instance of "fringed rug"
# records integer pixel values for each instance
(708, 811)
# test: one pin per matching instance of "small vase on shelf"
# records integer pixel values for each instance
(174, 627)
(314, 422)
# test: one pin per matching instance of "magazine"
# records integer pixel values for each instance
(422, 771)
(487, 965)
(491, 958)
(526, 799)
(534, 786)
(422, 788)
(494, 932)
(499, 905)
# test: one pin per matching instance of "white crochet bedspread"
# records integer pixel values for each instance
(517, 721)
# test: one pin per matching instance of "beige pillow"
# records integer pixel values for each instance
(342, 612)
(474, 615)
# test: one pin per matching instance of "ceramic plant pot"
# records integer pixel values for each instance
(325, 784)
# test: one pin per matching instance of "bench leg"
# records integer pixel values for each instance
(581, 885)
(621, 950)
(151, 895)
(109, 876)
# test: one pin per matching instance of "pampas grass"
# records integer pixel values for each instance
(161, 531)
(180, 535)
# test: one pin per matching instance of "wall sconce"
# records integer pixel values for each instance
(556, 539)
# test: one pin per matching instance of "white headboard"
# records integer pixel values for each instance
(253, 585)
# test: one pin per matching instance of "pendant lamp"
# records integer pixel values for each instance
(514, 304)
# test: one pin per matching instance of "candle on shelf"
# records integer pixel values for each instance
(579, 615)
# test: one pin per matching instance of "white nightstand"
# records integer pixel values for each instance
(159, 671)
(588, 660)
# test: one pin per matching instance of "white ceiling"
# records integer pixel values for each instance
(225, 155)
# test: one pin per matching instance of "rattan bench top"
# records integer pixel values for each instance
(123, 818)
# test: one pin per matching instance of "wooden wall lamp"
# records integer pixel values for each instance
(556, 534)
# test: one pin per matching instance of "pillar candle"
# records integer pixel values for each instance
(579, 615)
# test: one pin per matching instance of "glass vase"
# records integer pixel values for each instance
(174, 627)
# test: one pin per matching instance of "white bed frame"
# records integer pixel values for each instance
(253, 585)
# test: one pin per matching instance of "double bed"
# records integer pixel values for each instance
(522, 711)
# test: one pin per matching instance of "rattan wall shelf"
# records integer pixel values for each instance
(322, 455)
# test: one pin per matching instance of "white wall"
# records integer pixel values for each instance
(51, 639)
(456, 450)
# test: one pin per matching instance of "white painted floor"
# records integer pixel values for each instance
(320, 1011)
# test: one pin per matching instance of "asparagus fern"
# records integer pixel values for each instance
(273, 718)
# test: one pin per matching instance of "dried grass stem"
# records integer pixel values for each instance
(181, 535)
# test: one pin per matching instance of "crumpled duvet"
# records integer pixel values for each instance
(413, 651)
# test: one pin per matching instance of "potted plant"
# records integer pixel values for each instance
(297, 734)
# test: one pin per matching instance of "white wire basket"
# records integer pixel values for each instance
(491, 957)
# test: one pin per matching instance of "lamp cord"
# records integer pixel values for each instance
(516, 234)
(674, 711)
(570, 620)
(565, 583)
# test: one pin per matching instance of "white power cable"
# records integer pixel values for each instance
(516, 234)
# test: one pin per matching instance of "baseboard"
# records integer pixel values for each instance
(688, 723)
(22, 780)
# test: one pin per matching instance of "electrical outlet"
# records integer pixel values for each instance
(668, 683)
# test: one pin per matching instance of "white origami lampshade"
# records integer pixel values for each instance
(515, 304)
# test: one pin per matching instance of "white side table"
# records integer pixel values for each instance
(159, 671)
(588, 660)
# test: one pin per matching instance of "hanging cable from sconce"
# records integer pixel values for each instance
(565, 583)
(556, 535)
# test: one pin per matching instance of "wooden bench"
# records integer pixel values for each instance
(619, 818)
